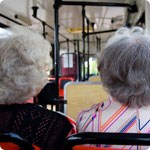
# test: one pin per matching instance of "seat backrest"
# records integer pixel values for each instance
(47, 94)
(75, 140)
(12, 141)
(94, 79)
(62, 82)
(82, 95)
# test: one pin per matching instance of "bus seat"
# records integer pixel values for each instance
(82, 95)
(47, 94)
(74, 141)
(12, 141)
(81, 147)
(94, 79)
(62, 82)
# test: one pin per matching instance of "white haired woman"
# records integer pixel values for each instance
(124, 67)
(24, 60)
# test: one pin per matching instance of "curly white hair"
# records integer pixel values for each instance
(24, 60)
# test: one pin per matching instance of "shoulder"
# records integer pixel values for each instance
(53, 120)
(43, 113)
(86, 116)
(94, 108)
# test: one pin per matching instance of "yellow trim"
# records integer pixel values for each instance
(77, 30)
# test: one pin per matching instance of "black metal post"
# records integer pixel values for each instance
(96, 4)
(131, 10)
(3, 25)
(83, 38)
(44, 33)
(1, 15)
(100, 32)
(78, 62)
(68, 55)
(88, 49)
(35, 8)
(127, 20)
(73, 41)
(56, 48)
(75, 49)
(97, 44)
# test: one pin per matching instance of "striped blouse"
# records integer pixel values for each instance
(112, 116)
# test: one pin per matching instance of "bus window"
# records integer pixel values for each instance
(93, 65)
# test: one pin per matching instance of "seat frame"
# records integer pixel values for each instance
(107, 138)
(10, 137)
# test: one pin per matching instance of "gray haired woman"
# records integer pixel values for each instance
(124, 67)
(24, 61)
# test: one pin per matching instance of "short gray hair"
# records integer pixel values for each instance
(24, 59)
(124, 66)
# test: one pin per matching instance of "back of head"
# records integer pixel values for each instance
(24, 59)
(124, 66)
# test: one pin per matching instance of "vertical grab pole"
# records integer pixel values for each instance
(56, 49)
(78, 62)
(68, 55)
(74, 43)
(83, 38)
(75, 55)
(97, 43)
(88, 48)
(44, 33)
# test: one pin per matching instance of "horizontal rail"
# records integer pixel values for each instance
(95, 4)
(3, 25)
(10, 19)
(108, 138)
(100, 32)
(50, 27)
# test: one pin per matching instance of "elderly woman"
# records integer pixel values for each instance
(24, 60)
(124, 67)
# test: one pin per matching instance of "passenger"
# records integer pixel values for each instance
(24, 60)
(124, 67)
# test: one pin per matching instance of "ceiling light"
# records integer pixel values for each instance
(77, 30)
(23, 19)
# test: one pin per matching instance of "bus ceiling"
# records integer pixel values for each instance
(102, 16)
